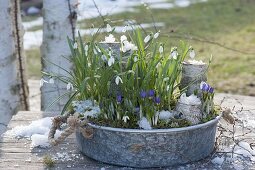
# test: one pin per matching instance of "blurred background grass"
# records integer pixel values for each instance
(224, 29)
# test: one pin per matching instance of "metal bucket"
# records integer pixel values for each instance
(149, 148)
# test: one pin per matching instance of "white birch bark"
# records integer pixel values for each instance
(11, 93)
(56, 28)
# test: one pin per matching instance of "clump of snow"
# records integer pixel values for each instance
(196, 62)
(40, 126)
(165, 115)
(109, 39)
(86, 108)
(247, 147)
(190, 100)
(37, 131)
(218, 160)
(145, 124)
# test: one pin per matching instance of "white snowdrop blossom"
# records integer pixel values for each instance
(125, 119)
(104, 58)
(42, 81)
(108, 28)
(123, 38)
(192, 54)
(75, 45)
(135, 59)
(111, 61)
(174, 54)
(124, 29)
(147, 38)
(166, 79)
(110, 39)
(69, 86)
(161, 49)
(51, 81)
(167, 88)
(95, 51)
(128, 46)
(118, 80)
(156, 35)
(86, 49)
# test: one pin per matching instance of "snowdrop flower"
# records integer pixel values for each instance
(123, 38)
(95, 51)
(161, 49)
(86, 49)
(192, 54)
(51, 81)
(128, 46)
(111, 61)
(174, 54)
(135, 59)
(108, 28)
(147, 38)
(118, 80)
(110, 39)
(124, 29)
(69, 86)
(42, 81)
(166, 79)
(167, 88)
(104, 58)
(125, 119)
(156, 35)
(75, 45)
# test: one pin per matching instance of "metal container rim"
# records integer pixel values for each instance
(182, 129)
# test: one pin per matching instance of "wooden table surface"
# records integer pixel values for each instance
(17, 154)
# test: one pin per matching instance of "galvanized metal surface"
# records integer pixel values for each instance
(149, 148)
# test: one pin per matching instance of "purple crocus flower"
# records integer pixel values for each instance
(143, 94)
(119, 98)
(157, 100)
(151, 93)
(211, 90)
(204, 86)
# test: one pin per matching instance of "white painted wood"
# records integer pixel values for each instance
(56, 28)
(11, 99)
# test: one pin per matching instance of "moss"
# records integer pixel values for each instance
(173, 123)
(48, 161)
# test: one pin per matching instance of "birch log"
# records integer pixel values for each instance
(13, 84)
(59, 22)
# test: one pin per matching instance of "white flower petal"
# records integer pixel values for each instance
(75, 45)
(118, 80)
(108, 28)
(123, 38)
(156, 35)
(135, 59)
(69, 86)
(192, 54)
(125, 119)
(161, 49)
(147, 38)
(111, 61)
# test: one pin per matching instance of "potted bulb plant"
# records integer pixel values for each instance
(140, 107)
